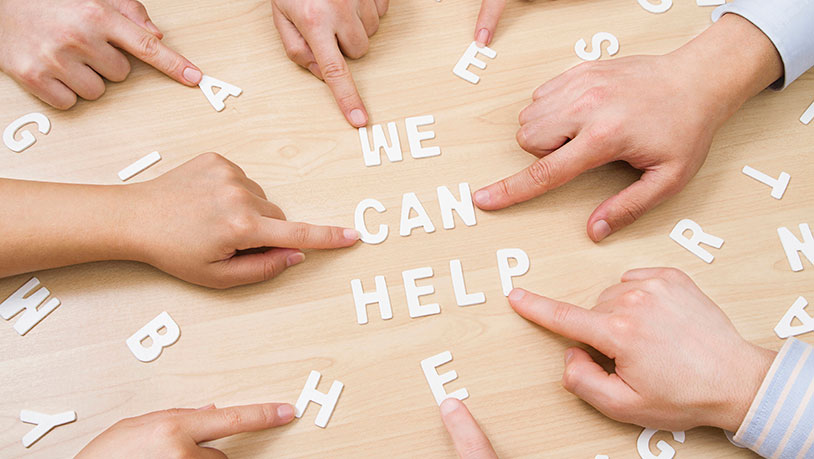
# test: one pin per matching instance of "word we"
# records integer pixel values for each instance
(392, 147)
(26, 138)
(25, 298)
(413, 292)
(409, 204)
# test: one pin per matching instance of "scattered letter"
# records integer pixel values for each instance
(778, 185)
(362, 299)
(44, 423)
(226, 90)
(160, 340)
(461, 69)
(785, 329)
(359, 222)
(665, 450)
(596, 43)
(327, 401)
(808, 115)
(415, 137)
(139, 166)
(26, 138)
(508, 272)
(24, 299)
(698, 237)
(793, 246)
(660, 7)
(437, 381)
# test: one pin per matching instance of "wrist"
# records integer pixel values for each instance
(728, 64)
(742, 388)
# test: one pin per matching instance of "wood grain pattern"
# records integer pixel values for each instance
(258, 343)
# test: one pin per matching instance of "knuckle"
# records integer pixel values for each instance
(167, 428)
(474, 448)
(315, 13)
(297, 53)
(268, 414)
(148, 45)
(65, 102)
(590, 99)
(134, 7)
(336, 70)
(635, 297)
(540, 173)
(504, 189)
(570, 378)
(96, 91)
(603, 134)
(619, 324)
(655, 284)
(93, 11)
(358, 50)
(671, 275)
(240, 226)
(301, 233)
(561, 313)
(232, 418)
(211, 157)
(271, 270)
(630, 211)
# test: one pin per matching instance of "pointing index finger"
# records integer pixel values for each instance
(212, 424)
(490, 11)
(469, 440)
(296, 235)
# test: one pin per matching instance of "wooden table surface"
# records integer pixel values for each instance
(259, 343)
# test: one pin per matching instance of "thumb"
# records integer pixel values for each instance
(256, 267)
(490, 11)
(136, 12)
(586, 379)
(630, 204)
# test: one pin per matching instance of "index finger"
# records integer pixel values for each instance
(469, 440)
(490, 11)
(545, 174)
(565, 319)
(148, 48)
(337, 76)
(208, 425)
(296, 235)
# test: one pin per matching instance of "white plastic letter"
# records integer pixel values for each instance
(24, 299)
(596, 43)
(327, 401)
(665, 450)
(437, 381)
(698, 237)
(44, 423)
(26, 138)
(461, 69)
(506, 271)
(226, 90)
(808, 115)
(660, 7)
(785, 329)
(362, 299)
(159, 340)
(373, 156)
(459, 286)
(793, 246)
(778, 185)
(415, 137)
(464, 207)
(413, 292)
(410, 202)
(359, 222)
(709, 2)
(139, 166)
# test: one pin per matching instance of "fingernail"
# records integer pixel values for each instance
(285, 412)
(294, 259)
(314, 68)
(601, 230)
(569, 354)
(449, 405)
(358, 118)
(206, 407)
(482, 38)
(517, 294)
(482, 197)
(193, 75)
(351, 234)
(152, 28)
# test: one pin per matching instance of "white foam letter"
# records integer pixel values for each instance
(785, 329)
(362, 299)
(327, 401)
(437, 381)
(458, 285)
(26, 138)
(596, 42)
(665, 450)
(464, 207)
(44, 423)
(373, 156)
(698, 237)
(409, 202)
(160, 341)
(661, 7)
(415, 137)
(359, 222)
(413, 292)
(507, 272)
(24, 299)
(226, 90)
(778, 185)
(793, 246)
(808, 115)
(461, 69)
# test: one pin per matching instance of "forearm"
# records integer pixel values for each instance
(730, 62)
(48, 225)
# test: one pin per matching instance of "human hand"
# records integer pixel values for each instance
(315, 34)
(469, 440)
(177, 432)
(657, 113)
(489, 16)
(61, 49)
(196, 221)
(679, 361)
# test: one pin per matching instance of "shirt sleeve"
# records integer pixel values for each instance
(780, 422)
(789, 24)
